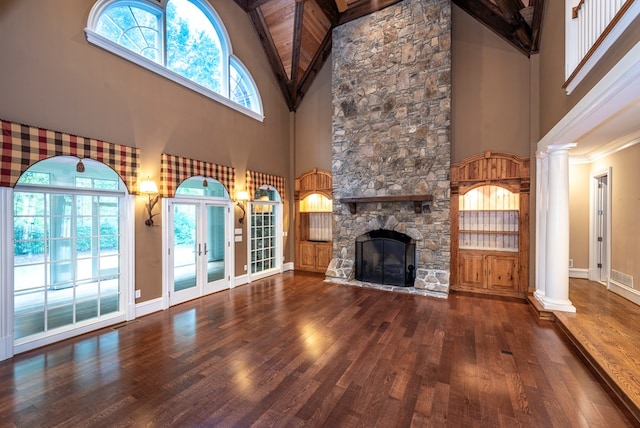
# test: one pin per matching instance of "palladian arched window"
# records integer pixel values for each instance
(183, 40)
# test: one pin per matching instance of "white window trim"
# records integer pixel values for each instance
(6, 274)
(110, 46)
(571, 60)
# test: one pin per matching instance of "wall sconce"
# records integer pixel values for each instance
(241, 197)
(149, 187)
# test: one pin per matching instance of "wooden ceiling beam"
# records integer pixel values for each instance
(253, 4)
(363, 8)
(536, 24)
(242, 4)
(272, 54)
(511, 11)
(330, 9)
(297, 46)
(491, 16)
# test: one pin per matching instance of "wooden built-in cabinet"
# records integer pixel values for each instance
(490, 224)
(314, 220)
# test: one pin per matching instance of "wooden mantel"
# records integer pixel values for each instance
(418, 201)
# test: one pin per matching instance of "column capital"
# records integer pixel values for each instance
(557, 148)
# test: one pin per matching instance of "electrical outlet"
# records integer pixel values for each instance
(138, 294)
(570, 263)
(245, 268)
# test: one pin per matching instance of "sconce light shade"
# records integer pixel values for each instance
(150, 187)
(241, 197)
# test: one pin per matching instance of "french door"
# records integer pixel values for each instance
(199, 249)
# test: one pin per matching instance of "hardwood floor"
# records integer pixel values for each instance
(293, 350)
(605, 330)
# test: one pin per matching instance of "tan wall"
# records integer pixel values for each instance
(313, 125)
(625, 205)
(579, 215)
(554, 102)
(53, 78)
(491, 92)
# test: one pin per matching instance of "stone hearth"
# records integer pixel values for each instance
(391, 125)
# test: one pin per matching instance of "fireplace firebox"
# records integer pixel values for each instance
(386, 257)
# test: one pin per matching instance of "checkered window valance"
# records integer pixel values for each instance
(21, 146)
(175, 169)
(256, 179)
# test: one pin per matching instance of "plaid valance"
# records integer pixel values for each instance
(255, 179)
(175, 169)
(21, 146)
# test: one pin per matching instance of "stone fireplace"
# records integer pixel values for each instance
(391, 135)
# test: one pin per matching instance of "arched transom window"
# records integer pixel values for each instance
(183, 40)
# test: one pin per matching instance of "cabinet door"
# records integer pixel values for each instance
(471, 269)
(502, 272)
(307, 256)
(323, 256)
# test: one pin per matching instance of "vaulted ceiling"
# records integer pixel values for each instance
(296, 34)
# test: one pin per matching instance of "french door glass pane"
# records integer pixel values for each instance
(215, 243)
(184, 247)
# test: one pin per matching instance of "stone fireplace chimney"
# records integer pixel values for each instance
(391, 133)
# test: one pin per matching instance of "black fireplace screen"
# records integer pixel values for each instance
(386, 257)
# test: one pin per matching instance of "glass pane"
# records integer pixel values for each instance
(133, 28)
(239, 90)
(86, 310)
(59, 316)
(184, 247)
(109, 287)
(85, 269)
(109, 264)
(193, 47)
(109, 304)
(215, 243)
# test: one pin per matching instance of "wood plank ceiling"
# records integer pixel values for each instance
(296, 34)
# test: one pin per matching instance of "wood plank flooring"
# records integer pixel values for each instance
(293, 350)
(605, 330)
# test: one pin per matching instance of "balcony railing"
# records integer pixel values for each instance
(592, 27)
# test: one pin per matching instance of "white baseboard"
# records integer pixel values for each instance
(240, 280)
(148, 307)
(579, 273)
(287, 266)
(624, 291)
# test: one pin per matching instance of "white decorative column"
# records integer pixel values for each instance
(542, 206)
(556, 286)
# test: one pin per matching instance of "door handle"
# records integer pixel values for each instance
(199, 249)
(205, 249)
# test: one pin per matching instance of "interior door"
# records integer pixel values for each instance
(198, 250)
(601, 267)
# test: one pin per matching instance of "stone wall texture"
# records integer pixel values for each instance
(391, 125)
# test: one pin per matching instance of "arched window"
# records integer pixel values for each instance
(182, 40)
